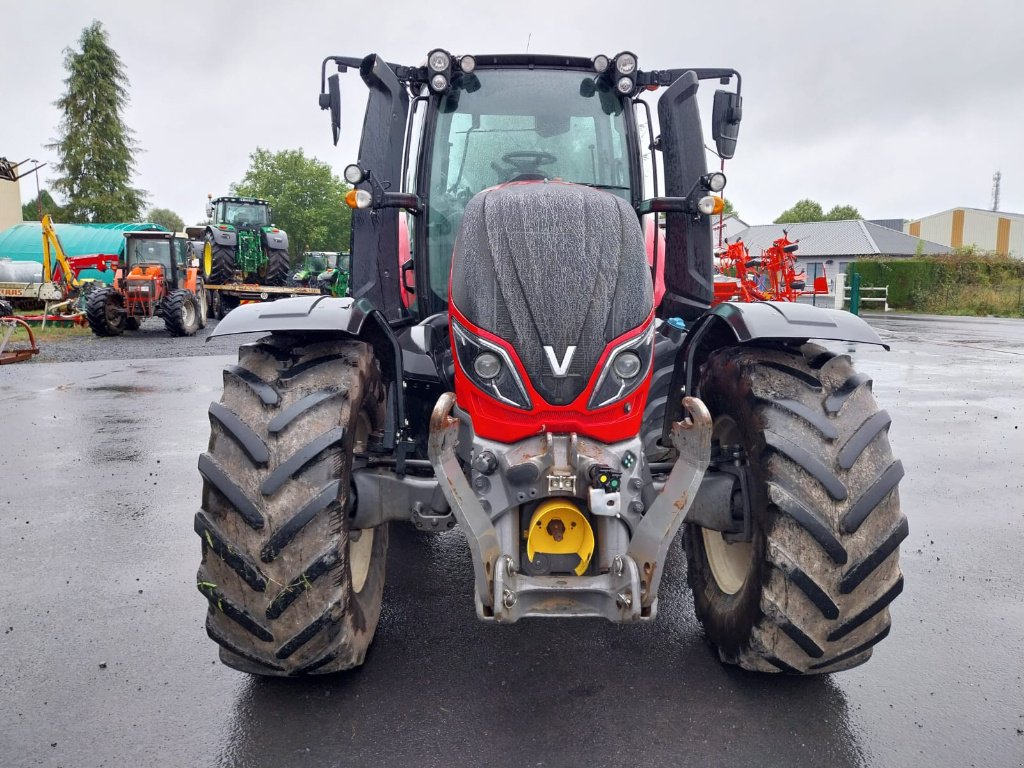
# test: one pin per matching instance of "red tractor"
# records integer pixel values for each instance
(515, 376)
(156, 277)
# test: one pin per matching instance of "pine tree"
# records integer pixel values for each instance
(96, 148)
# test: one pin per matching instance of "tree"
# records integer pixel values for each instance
(804, 210)
(96, 148)
(728, 209)
(842, 213)
(30, 211)
(166, 218)
(307, 198)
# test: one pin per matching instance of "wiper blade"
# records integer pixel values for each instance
(598, 186)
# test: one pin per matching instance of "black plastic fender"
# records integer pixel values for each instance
(337, 317)
(277, 241)
(223, 236)
(733, 323)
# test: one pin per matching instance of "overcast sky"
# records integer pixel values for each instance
(901, 108)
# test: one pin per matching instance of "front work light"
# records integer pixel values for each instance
(600, 63)
(714, 182)
(438, 83)
(625, 63)
(467, 64)
(353, 174)
(625, 85)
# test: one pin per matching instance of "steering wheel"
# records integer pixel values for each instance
(526, 159)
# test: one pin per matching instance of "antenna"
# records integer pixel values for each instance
(528, 38)
(996, 179)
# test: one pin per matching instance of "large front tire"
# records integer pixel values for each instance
(278, 267)
(220, 260)
(181, 313)
(291, 589)
(104, 310)
(810, 592)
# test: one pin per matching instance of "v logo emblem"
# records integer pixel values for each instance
(560, 369)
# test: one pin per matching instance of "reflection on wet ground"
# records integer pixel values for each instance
(106, 661)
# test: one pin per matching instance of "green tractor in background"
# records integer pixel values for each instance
(241, 244)
(326, 270)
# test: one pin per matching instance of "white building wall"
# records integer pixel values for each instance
(10, 204)
(936, 228)
(1016, 243)
(980, 230)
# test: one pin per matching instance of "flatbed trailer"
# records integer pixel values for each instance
(224, 298)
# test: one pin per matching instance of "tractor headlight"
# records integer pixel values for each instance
(625, 85)
(489, 367)
(627, 364)
(438, 82)
(625, 370)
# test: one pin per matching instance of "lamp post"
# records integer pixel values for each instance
(39, 202)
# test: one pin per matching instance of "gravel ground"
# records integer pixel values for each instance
(150, 341)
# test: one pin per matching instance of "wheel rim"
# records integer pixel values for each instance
(360, 550)
(207, 258)
(188, 313)
(114, 318)
(730, 562)
(204, 310)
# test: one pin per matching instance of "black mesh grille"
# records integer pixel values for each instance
(552, 264)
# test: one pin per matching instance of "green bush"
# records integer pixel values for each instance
(966, 282)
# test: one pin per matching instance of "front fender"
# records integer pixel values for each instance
(732, 323)
(341, 318)
(222, 236)
(788, 320)
(275, 239)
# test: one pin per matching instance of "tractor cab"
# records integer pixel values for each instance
(474, 122)
(242, 213)
(155, 254)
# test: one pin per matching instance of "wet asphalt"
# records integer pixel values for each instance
(104, 661)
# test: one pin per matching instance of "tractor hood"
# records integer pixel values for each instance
(547, 267)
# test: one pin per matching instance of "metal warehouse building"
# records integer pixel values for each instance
(989, 230)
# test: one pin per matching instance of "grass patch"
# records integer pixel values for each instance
(58, 331)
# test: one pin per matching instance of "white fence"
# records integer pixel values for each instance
(873, 298)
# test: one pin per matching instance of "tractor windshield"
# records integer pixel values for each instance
(146, 251)
(243, 215)
(501, 125)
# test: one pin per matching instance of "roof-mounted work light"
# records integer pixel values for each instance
(439, 70)
(624, 75)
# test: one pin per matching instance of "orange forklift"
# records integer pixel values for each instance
(157, 276)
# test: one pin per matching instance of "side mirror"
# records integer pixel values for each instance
(332, 101)
(726, 114)
(209, 211)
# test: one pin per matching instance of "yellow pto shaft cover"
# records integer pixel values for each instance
(559, 528)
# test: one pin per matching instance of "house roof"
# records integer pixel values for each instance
(985, 211)
(24, 242)
(853, 237)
